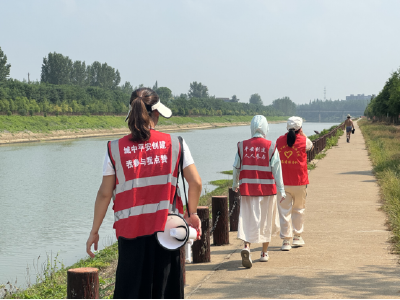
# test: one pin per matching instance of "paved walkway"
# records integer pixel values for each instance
(346, 253)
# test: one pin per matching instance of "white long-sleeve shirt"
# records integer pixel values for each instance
(276, 171)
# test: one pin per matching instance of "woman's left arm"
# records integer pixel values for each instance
(277, 172)
(100, 209)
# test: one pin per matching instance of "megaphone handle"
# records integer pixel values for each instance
(184, 227)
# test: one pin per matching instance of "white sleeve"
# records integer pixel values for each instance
(309, 144)
(108, 168)
(187, 156)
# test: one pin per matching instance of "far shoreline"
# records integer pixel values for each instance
(60, 135)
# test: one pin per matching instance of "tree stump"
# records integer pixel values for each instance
(234, 218)
(183, 263)
(201, 248)
(221, 232)
(83, 283)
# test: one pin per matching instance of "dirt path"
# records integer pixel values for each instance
(347, 253)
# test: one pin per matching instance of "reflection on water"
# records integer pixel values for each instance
(48, 192)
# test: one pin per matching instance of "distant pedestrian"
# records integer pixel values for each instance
(349, 127)
(140, 172)
(292, 149)
(257, 173)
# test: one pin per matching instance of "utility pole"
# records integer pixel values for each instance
(324, 93)
(28, 78)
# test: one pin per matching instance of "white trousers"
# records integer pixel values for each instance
(258, 219)
(292, 210)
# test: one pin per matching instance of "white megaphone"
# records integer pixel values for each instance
(176, 233)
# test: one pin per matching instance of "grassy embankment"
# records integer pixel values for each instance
(383, 143)
(330, 142)
(47, 124)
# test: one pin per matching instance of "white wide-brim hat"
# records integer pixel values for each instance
(294, 123)
(161, 108)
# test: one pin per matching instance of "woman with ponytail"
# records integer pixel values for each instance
(140, 173)
(292, 149)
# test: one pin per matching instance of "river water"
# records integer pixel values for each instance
(48, 191)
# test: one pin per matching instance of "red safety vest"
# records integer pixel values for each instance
(256, 177)
(146, 178)
(293, 160)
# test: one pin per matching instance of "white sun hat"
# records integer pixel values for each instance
(294, 123)
(161, 108)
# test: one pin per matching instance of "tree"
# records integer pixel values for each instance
(165, 94)
(127, 88)
(255, 99)
(285, 105)
(155, 86)
(234, 99)
(56, 69)
(197, 90)
(4, 67)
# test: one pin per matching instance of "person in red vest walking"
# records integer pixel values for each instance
(140, 172)
(257, 174)
(292, 149)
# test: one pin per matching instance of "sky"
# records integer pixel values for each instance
(291, 48)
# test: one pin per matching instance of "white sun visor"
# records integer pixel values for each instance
(162, 109)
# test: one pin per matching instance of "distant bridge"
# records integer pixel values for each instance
(343, 112)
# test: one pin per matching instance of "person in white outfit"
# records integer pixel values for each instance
(292, 148)
(257, 174)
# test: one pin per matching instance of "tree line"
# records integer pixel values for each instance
(331, 110)
(72, 87)
(386, 105)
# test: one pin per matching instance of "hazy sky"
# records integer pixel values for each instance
(275, 48)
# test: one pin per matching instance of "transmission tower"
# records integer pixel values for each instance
(324, 93)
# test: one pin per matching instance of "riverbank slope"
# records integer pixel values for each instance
(18, 129)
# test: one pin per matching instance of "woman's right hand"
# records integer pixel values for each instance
(195, 222)
(93, 239)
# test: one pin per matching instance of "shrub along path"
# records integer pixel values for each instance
(347, 253)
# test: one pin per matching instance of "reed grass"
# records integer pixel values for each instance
(383, 143)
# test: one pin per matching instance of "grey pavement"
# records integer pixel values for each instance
(347, 251)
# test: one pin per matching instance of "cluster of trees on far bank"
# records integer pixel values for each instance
(331, 110)
(386, 105)
(72, 87)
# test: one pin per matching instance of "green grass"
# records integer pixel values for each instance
(52, 283)
(383, 143)
(230, 172)
(16, 123)
(222, 189)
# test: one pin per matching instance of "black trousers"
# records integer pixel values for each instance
(146, 270)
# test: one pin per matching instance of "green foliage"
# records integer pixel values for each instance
(285, 105)
(59, 69)
(383, 143)
(4, 67)
(198, 90)
(331, 110)
(14, 123)
(165, 94)
(386, 105)
(221, 190)
(52, 280)
(255, 99)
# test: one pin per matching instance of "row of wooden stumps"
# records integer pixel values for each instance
(83, 283)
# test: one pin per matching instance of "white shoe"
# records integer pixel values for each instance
(298, 241)
(246, 259)
(286, 245)
(264, 256)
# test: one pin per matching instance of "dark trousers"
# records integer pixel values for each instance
(146, 270)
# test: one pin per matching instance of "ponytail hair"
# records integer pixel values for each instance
(139, 119)
(291, 137)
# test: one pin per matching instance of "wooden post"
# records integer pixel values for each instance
(83, 283)
(221, 232)
(234, 218)
(183, 263)
(201, 248)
